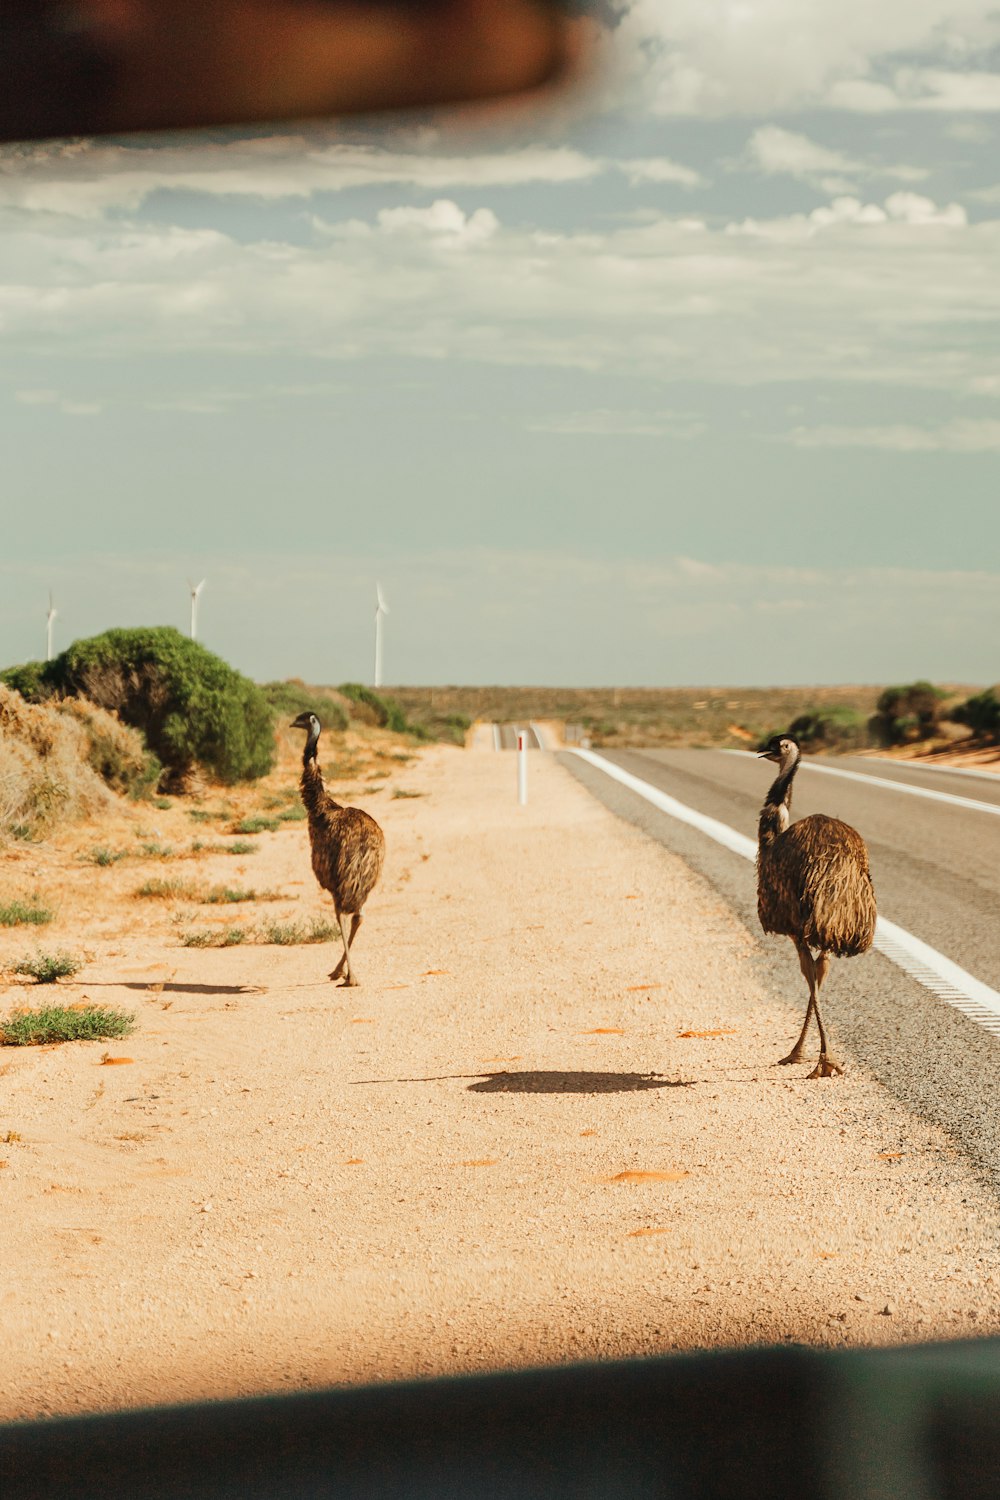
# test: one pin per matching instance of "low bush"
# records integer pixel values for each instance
(981, 713)
(192, 708)
(257, 824)
(46, 968)
(906, 714)
(835, 728)
(60, 1023)
(289, 699)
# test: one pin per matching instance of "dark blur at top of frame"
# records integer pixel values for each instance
(93, 67)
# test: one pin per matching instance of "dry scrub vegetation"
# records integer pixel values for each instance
(61, 762)
(102, 870)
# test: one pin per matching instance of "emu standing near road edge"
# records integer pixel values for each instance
(348, 846)
(813, 885)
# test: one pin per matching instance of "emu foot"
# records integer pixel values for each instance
(826, 1068)
(795, 1056)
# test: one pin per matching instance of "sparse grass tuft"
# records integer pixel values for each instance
(163, 803)
(220, 937)
(257, 824)
(399, 792)
(293, 815)
(58, 1023)
(21, 914)
(105, 857)
(285, 934)
(226, 895)
(166, 890)
(46, 968)
(157, 851)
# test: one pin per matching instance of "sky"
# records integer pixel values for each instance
(693, 378)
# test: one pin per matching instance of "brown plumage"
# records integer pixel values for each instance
(348, 846)
(814, 886)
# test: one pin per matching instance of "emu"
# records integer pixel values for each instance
(814, 886)
(348, 846)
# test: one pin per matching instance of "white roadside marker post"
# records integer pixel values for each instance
(522, 768)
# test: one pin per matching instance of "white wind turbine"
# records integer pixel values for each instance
(196, 589)
(48, 627)
(381, 609)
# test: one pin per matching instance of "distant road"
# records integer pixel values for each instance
(505, 736)
(934, 841)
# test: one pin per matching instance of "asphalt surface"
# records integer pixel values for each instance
(507, 734)
(936, 868)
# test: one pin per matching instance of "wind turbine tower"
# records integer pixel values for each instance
(381, 609)
(196, 589)
(48, 627)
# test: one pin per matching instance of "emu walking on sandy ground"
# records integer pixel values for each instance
(814, 886)
(348, 846)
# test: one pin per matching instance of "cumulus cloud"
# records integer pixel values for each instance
(778, 152)
(714, 58)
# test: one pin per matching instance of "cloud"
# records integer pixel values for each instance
(800, 296)
(778, 152)
(605, 422)
(962, 435)
(712, 58)
(658, 169)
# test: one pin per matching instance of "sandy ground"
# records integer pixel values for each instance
(546, 1126)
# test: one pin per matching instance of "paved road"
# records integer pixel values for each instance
(505, 736)
(936, 866)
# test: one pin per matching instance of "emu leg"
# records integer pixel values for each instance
(345, 958)
(827, 1067)
(808, 969)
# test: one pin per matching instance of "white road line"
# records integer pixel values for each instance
(943, 977)
(896, 786)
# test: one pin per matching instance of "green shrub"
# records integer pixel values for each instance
(21, 914)
(907, 713)
(385, 712)
(191, 707)
(57, 1023)
(981, 713)
(46, 968)
(257, 824)
(289, 699)
(219, 937)
(835, 728)
(285, 934)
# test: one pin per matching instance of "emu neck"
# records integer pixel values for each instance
(311, 784)
(776, 814)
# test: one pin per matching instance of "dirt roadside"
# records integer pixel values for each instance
(290, 1184)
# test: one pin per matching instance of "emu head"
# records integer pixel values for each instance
(307, 721)
(782, 748)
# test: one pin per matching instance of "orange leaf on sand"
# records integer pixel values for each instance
(826, 1255)
(434, 971)
(890, 1155)
(603, 1031)
(354, 1161)
(588, 1132)
(516, 1058)
(111, 1062)
(631, 987)
(646, 1177)
(397, 986)
(635, 1234)
(362, 1020)
(723, 1031)
(483, 1161)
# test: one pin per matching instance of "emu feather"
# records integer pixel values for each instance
(348, 846)
(813, 885)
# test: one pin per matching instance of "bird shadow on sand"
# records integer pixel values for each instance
(551, 1082)
(169, 988)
